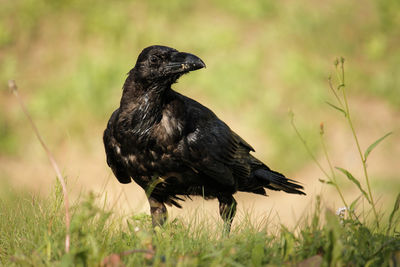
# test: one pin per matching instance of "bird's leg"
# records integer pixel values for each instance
(227, 210)
(158, 212)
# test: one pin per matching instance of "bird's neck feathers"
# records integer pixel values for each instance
(139, 92)
(141, 105)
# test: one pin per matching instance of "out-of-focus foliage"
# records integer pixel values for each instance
(263, 57)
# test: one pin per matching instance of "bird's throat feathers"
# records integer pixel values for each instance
(139, 93)
(141, 107)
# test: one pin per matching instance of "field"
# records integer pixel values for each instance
(269, 69)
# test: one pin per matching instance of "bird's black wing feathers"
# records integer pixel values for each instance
(213, 148)
(159, 132)
(242, 142)
(112, 147)
(217, 151)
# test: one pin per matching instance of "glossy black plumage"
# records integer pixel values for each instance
(173, 146)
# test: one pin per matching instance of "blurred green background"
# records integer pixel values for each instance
(70, 59)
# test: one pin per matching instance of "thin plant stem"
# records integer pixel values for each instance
(334, 92)
(334, 175)
(307, 148)
(13, 87)
(348, 117)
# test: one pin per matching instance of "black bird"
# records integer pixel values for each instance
(174, 147)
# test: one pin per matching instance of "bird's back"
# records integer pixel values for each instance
(171, 145)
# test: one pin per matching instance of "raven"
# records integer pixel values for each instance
(174, 147)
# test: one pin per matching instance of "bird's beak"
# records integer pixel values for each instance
(182, 62)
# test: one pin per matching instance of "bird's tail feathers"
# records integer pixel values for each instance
(277, 181)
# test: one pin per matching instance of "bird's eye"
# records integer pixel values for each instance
(154, 59)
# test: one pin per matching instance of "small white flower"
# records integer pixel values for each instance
(137, 229)
(341, 211)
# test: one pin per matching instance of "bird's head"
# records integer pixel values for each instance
(162, 64)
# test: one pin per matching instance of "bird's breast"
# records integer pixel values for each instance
(168, 130)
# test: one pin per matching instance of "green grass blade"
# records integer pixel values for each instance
(353, 204)
(355, 181)
(369, 149)
(337, 108)
(395, 209)
(327, 182)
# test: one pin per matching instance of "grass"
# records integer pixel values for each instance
(33, 234)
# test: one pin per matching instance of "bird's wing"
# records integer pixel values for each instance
(112, 149)
(215, 150)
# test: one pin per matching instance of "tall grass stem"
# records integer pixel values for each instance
(348, 118)
(14, 89)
